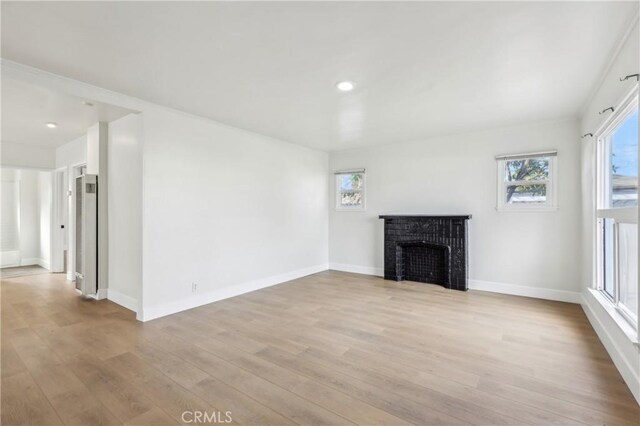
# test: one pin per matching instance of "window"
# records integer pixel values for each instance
(617, 209)
(620, 162)
(350, 190)
(526, 181)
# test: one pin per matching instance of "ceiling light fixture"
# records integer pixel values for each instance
(52, 125)
(345, 86)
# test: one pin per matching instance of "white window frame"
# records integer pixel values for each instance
(602, 211)
(338, 191)
(551, 183)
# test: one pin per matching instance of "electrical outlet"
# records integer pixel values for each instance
(194, 287)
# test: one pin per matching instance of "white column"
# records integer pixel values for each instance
(97, 163)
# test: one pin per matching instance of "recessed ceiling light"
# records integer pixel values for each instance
(345, 86)
(52, 125)
(87, 103)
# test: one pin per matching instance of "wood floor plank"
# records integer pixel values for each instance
(23, 403)
(11, 362)
(124, 399)
(153, 417)
(243, 408)
(288, 404)
(378, 397)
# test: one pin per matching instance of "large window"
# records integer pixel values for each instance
(617, 209)
(526, 181)
(350, 190)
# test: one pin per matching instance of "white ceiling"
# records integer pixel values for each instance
(27, 108)
(421, 68)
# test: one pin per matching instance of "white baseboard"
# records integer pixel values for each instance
(29, 261)
(122, 300)
(621, 349)
(517, 290)
(356, 269)
(153, 312)
(9, 259)
(520, 290)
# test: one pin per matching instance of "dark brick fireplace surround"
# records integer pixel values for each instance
(424, 248)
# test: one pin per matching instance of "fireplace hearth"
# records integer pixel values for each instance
(426, 248)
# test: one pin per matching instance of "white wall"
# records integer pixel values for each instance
(72, 153)
(29, 218)
(227, 209)
(125, 211)
(45, 199)
(458, 175)
(624, 353)
(25, 156)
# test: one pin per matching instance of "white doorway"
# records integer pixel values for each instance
(10, 235)
(26, 228)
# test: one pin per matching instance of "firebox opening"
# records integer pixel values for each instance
(423, 262)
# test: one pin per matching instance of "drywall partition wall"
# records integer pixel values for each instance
(531, 253)
(44, 218)
(204, 184)
(26, 156)
(225, 211)
(125, 211)
(29, 218)
(617, 340)
(72, 153)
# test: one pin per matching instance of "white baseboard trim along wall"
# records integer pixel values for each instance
(526, 291)
(9, 259)
(622, 350)
(153, 312)
(29, 261)
(122, 300)
(516, 290)
(366, 270)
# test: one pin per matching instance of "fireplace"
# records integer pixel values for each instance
(430, 249)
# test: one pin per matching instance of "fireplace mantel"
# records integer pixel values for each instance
(437, 216)
(427, 248)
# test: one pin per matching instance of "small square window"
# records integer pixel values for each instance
(350, 190)
(526, 182)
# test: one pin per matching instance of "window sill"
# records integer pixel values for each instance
(617, 317)
(527, 209)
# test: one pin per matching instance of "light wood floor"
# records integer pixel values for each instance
(21, 271)
(332, 348)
